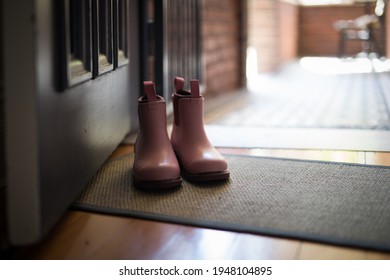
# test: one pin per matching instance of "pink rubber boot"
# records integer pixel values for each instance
(199, 160)
(155, 164)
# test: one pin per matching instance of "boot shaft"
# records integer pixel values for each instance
(152, 113)
(152, 116)
(188, 113)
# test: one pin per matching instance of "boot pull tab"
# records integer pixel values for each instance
(150, 91)
(195, 88)
(179, 84)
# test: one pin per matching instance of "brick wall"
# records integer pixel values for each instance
(262, 32)
(317, 34)
(222, 45)
(288, 31)
(281, 30)
(273, 32)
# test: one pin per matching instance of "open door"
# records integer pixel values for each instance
(71, 81)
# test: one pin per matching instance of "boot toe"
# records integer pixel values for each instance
(207, 165)
(159, 172)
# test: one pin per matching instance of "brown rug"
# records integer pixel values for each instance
(342, 204)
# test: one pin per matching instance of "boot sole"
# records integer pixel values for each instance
(207, 176)
(157, 185)
(203, 177)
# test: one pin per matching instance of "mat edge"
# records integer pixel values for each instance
(231, 227)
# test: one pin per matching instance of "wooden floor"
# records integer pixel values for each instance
(83, 235)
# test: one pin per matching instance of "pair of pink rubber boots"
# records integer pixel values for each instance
(158, 160)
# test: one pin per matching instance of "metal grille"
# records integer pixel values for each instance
(178, 42)
(2, 136)
(2, 131)
(183, 38)
(2, 118)
(2, 149)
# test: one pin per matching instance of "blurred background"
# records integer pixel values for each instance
(71, 72)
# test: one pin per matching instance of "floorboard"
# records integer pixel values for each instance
(315, 251)
(249, 246)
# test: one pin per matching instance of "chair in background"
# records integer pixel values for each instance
(365, 29)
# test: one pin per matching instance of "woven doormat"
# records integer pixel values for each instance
(336, 203)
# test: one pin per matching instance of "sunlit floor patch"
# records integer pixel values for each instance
(334, 65)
